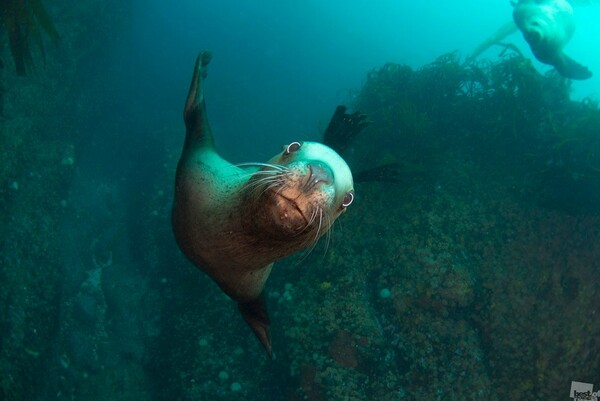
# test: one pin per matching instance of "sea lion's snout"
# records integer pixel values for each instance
(319, 173)
(299, 199)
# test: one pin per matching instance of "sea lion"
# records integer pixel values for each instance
(548, 25)
(234, 221)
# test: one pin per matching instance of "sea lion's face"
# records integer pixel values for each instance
(303, 190)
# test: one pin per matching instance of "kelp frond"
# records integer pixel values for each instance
(24, 22)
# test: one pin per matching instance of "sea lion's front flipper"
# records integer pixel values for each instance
(569, 68)
(255, 314)
(505, 30)
(343, 127)
(198, 131)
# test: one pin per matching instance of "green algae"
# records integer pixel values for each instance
(503, 110)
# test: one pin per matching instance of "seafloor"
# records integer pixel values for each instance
(469, 271)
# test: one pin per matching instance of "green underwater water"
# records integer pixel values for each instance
(467, 271)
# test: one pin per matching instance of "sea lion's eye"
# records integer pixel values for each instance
(292, 147)
(348, 199)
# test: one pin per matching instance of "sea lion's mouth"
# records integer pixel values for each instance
(292, 204)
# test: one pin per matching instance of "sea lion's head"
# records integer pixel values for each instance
(302, 190)
(547, 25)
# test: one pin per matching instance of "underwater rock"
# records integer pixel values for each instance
(86, 310)
(82, 350)
(343, 350)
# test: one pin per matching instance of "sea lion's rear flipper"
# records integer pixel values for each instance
(198, 131)
(343, 127)
(569, 68)
(255, 314)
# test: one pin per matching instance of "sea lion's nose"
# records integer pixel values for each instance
(319, 173)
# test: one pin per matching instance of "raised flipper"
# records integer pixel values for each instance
(569, 68)
(343, 127)
(255, 314)
(507, 29)
(198, 133)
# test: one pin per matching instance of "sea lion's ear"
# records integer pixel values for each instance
(255, 314)
(569, 68)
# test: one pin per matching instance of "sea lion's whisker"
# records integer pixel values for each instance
(315, 239)
(277, 172)
(274, 185)
(318, 230)
(257, 164)
(254, 186)
(311, 242)
(318, 235)
(267, 179)
(260, 172)
(263, 179)
(275, 182)
(283, 186)
(329, 234)
(313, 216)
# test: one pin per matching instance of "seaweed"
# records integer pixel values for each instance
(24, 22)
(502, 114)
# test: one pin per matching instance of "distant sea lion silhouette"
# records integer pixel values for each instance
(548, 25)
(233, 221)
